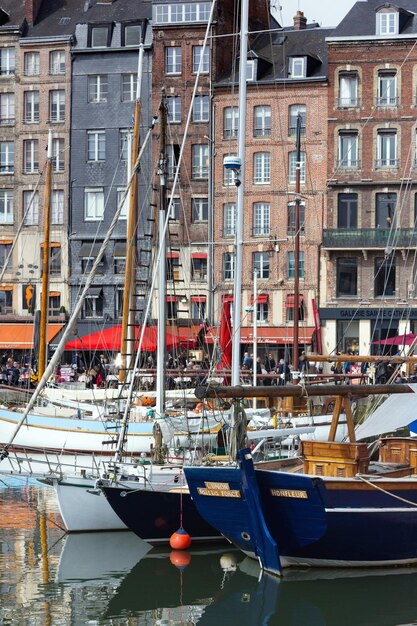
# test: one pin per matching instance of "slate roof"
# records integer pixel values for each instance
(15, 11)
(361, 21)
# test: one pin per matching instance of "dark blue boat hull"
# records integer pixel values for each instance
(310, 520)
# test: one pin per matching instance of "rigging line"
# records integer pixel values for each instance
(388, 493)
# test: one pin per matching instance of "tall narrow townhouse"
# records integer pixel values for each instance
(34, 98)
(368, 279)
(104, 78)
(287, 79)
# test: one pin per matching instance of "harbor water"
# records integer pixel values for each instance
(48, 578)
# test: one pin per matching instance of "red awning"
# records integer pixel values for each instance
(173, 255)
(199, 255)
(261, 299)
(268, 335)
(110, 339)
(289, 302)
(198, 298)
(171, 299)
(228, 298)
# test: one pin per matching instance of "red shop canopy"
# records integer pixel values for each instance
(110, 339)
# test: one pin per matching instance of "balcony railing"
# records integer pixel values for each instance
(348, 103)
(381, 163)
(387, 101)
(369, 238)
(349, 164)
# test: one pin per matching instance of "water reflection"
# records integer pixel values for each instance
(105, 579)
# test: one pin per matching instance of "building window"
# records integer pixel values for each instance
(30, 208)
(291, 219)
(198, 268)
(385, 205)
(97, 88)
(262, 168)
(93, 204)
(348, 90)
(347, 277)
(54, 260)
(229, 219)
(199, 209)
(99, 36)
(201, 109)
(119, 299)
(119, 266)
(173, 155)
(57, 105)
(7, 61)
(57, 206)
(30, 156)
(6, 108)
(198, 307)
(57, 62)
(124, 134)
(387, 23)
(58, 155)
(173, 267)
(93, 305)
(125, 208)
(229, 176)
(132, 35)
(297, 67)
(384, 280)
(289, 305)
(261, 219)
(291, 265)
(199, 55)
(181, 12)
(7, 157)
(31, 61)
(260, 263)
(231, 122)
(262, 311)
(292, 167)
(5, 249)
(173, 60)
(387, 89)
(172, 308)
(175, 209)
(54, 304)
(174, 109)
(228, 268)
(262, 121)
(6, 206)
(251, 66)
(387, 149)
(347, 210)
(31, 107)
(96, 145)
(348, 150)
(6, 301)
(200, 161)
(129, 85)
(294, 111)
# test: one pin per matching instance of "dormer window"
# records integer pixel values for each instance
(297, 67)
(251, 70)
(132, 35)
(99, 36)
(387, 22)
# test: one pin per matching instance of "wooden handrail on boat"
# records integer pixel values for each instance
(294, 391)
(359, 358)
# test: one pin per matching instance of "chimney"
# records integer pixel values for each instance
(300, 22)
(31, 10)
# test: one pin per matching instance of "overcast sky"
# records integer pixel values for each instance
(326, 12)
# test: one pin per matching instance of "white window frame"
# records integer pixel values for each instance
(262, 120)
(199, 210)
(230, 122)
(348, 149)
(229, 219)
(93, 204)
(387, 144)
(387, 23)
(263, 266)
(201, 108)
(298, 67)
(200, 161)
(133, 29)
(348, 90)
(57, 62)
(291, 265)
(6, 206)
(96, 146)
(292, 164)
(387, 89)
(58, 162)
(262, 168)
(294, 111)
(31, 207)
(129, 86)
(97, 88)
(31, 156)
(7, 61)
(57, 106)
(251, 66)
(125, 208)
(205, 63)
(262, 312)
(7, 108)
(261, 219)
(90, 308)
(6, 157)
(228, 266)
(174, 109)
(57, 206)
(173, 60)
(31, 107)
(175, 204)
(31, 63)
(99, 30)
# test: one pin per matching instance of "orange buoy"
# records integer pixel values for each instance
(180, 558)
(180, 540)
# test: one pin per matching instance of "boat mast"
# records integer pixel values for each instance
(237, 297)
(162, 172)
(128, 319)
(255, 331)
(45, 262)
(296, 307)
